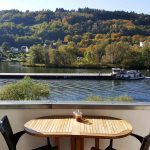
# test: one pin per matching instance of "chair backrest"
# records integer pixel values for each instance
(145, 143)
(7, 133)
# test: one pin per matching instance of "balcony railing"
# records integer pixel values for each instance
(20, 112)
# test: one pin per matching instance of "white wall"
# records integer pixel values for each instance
(140, 120)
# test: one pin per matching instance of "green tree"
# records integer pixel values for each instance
(87, 36)
(115, 53)
(38, 55)
(89, 56)
(68, 53)
(54, 57)
(133, 60)
(76, 38)
(5, 46)
(146, 56)
(99, 51)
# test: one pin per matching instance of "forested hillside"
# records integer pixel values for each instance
(28, 28)
(85, 37)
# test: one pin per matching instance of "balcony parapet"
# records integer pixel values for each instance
(73, 105)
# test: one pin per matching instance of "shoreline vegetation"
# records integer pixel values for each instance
(69, 66)
(83, 66)
(102, 55)
(123, 98)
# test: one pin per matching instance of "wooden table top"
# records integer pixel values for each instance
(100, 127)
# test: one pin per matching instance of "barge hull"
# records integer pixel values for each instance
(56, 76)
(76, 76)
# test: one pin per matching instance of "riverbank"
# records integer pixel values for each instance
(83, 66)
(78, 66)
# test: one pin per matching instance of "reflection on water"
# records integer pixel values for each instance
(78, 90)
(15, 67)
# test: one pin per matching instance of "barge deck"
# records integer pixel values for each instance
(92, 76)
(81, 76)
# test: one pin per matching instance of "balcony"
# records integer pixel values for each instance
(20, 112)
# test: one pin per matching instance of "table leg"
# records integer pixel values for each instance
(77, 143)
(96, 143)
(73, 143)
(81, 143)
(57, 142)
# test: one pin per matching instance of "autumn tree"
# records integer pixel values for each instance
(68, 53)
(115, 53)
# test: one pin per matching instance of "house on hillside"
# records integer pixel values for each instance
(64, 43)
(14, 50)
(53, 47)
(2, 58)
(24, 49)
(143, 43)
(79, 58)
(46, 45)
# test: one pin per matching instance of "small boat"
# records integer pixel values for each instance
(122, 74)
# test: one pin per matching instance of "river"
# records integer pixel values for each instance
(79, 90)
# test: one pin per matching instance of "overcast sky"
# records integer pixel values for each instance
(139, 6)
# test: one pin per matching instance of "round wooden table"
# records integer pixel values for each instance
(90, 127)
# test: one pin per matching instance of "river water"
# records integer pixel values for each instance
(79, 90)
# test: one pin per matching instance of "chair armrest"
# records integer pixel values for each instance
(140, 138)
(18, 135)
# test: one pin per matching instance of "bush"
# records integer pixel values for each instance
(94, 98)
(110, 99)
(124, 99)
(25, 89)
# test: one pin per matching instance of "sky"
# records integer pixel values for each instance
(139, 6)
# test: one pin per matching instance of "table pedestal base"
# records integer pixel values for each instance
(77, 143)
